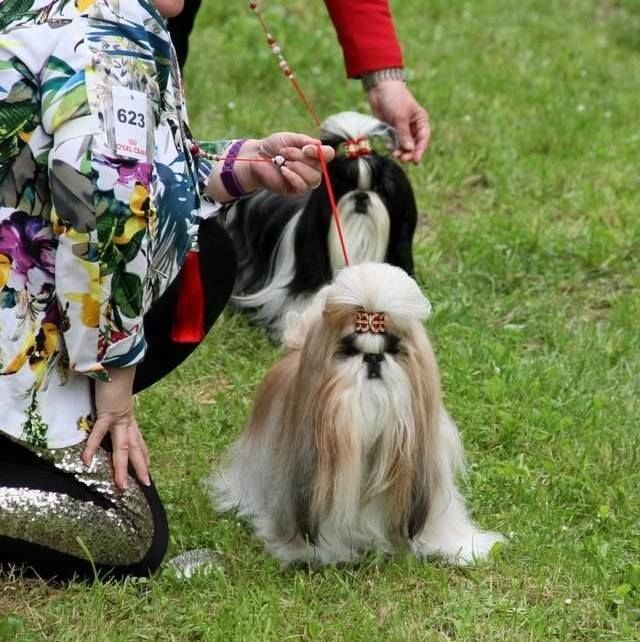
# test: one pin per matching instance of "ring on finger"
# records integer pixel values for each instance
(279, 161)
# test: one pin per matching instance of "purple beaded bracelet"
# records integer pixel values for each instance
(227, 176)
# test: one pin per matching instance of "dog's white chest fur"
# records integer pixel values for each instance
(374, 413)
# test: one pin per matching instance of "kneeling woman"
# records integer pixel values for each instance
(104, 200)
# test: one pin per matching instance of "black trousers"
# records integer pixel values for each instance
(180, 27)
(25, 472)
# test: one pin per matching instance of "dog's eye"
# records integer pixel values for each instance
(392, 344)
(347, 347)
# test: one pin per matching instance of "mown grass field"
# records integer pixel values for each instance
(529, 249)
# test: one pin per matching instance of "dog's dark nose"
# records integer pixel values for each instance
(373, 361)
(362, 202)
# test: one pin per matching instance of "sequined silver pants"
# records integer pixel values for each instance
(62, 518)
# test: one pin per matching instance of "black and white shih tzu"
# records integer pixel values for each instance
(349, 447)
(288, 248)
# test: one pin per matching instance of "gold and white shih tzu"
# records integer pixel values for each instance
(349, 447)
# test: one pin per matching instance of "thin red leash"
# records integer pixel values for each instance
(288, 72)
(332, 201)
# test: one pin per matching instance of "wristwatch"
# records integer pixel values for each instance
(372, 78)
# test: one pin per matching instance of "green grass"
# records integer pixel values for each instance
(529, 249)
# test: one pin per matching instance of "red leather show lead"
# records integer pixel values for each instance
(332, 201)
(188, 318)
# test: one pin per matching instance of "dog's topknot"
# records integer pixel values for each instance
(379, 287)
(375, 287)
(351, 125)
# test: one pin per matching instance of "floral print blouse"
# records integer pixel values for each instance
(99, 199)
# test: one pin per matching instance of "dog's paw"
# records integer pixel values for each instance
(479, 548)
(461, 550)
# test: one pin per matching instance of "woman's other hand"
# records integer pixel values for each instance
(114, 415)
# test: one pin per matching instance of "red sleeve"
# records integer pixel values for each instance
(366, 34)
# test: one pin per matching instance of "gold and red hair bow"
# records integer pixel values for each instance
(369, 321)
(355, 147)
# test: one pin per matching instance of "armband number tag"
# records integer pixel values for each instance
(130, 123)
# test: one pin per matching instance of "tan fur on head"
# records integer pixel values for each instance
(340, 455)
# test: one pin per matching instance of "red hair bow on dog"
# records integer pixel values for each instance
(355, 147)
(369, 322)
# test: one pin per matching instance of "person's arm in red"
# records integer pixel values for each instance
(366, 34)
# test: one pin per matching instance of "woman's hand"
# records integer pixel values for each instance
(392, 102)
(302, 169)
(114, 414)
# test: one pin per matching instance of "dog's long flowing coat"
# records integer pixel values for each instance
(349, 447)
(288, 248)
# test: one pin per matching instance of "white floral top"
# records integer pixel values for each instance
(98, 199)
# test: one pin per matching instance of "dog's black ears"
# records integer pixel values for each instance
(403, 211)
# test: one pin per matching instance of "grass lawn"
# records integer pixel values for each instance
(528, 248)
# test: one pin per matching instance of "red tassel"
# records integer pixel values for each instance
(188, 318)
